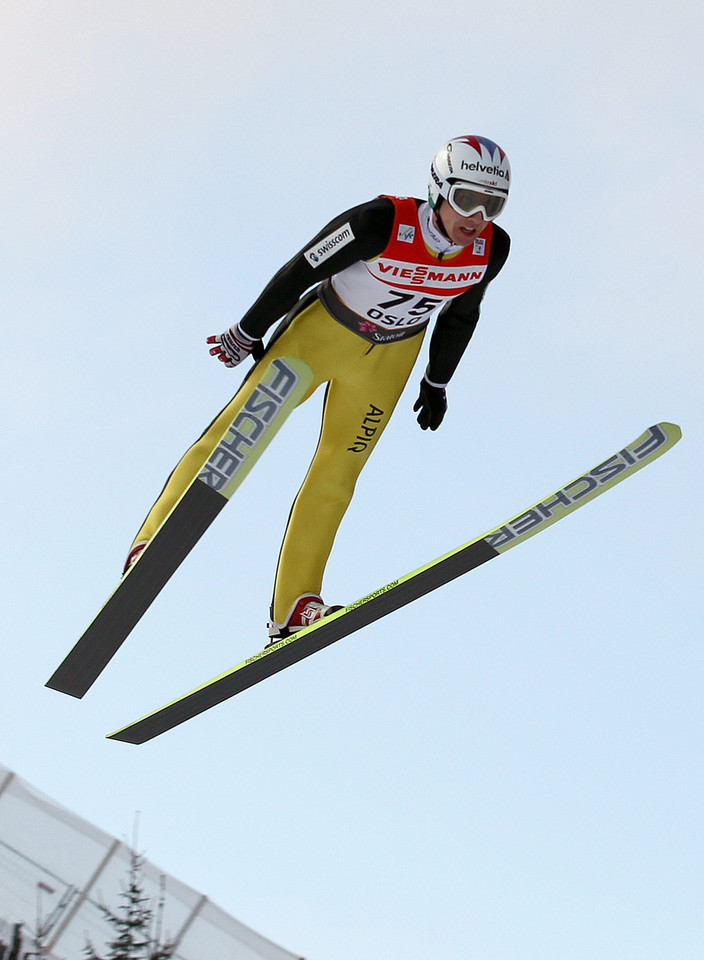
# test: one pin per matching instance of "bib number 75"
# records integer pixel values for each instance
(414, 309)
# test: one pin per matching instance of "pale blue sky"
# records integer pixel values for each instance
(509, 769)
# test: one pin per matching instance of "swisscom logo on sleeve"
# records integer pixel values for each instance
(329, 245)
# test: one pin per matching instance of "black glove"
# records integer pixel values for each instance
(432, 403)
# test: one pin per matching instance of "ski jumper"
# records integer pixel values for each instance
(381, 271)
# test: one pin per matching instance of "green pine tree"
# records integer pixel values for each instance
(132, 923)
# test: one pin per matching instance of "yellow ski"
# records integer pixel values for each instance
(280, 388)
(648, 447)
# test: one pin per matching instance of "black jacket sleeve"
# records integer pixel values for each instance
(371, 225)
(457, 321)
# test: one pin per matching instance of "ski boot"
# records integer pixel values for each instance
(308, 609)
(134, 554)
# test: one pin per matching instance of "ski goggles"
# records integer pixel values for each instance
(466, 200)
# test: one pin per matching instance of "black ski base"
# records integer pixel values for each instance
(135, 593)
(296, 648)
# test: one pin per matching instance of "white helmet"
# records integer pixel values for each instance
(471, 173)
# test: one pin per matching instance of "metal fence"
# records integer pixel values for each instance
(56, 869)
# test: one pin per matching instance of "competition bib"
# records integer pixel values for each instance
(397, 294)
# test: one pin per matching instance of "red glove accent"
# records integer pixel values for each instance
(233, 346)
